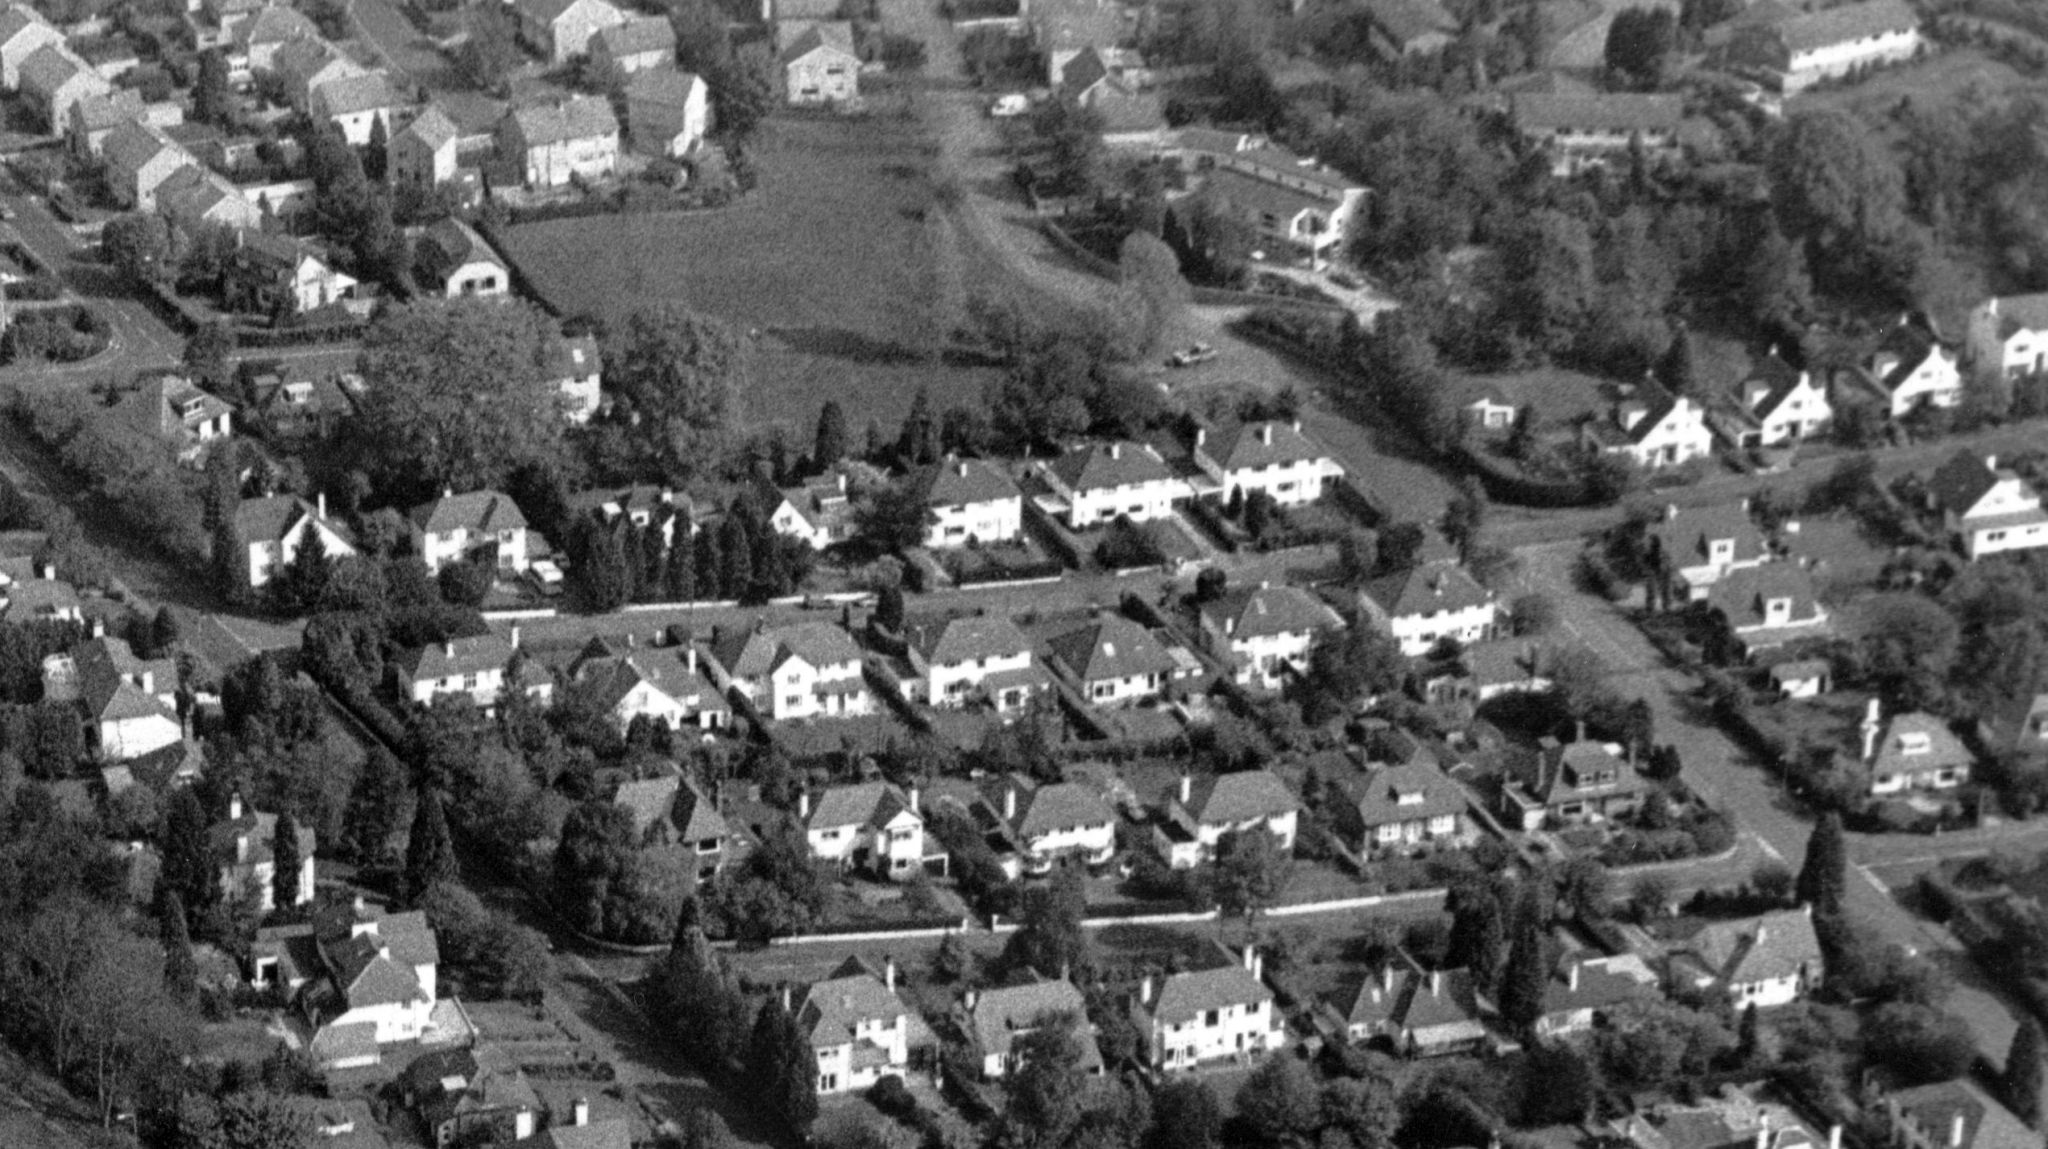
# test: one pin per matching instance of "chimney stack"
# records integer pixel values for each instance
(889, 973)
(916, 807)
(1266, 435)
(970, 999)
(579, 1112)
(1835, 1136)
(1116, 450)
(320, 503)
(448, 649)
(690, 656)
(1871, 729)
(1010, 803)
(1955, 1131)
(1251, 954)
(515, 636)
(235, 807)
(1145, 991)
(803, 804)
(1187, 787)
(1571, 977)
(1387, 977)
(1436, 982)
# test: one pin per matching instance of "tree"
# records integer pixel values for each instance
(1823, 878)
(1525, 979)
(1049, 938)
(1045, 1105)
(893, 517)
(139, 244)
(606, 884)
(247, 1119)
(598, 562)
(742, 93)
(458, 394)
(703, 993)
(374, 154)
(2020, 1082)
(1465, 517)
(375, 805)
(1638, 40)
(1152, 297)
(212, 98)
(1279, 1106)
(207, 355)
(1586, 888)
(189, 869)
(490, 51)
(1838, 188)
(782, 1066)
(1676, 369)
(181, 973)
(1347, 667)
(284, 861)
(1073, 135)
(1909, 643)
(831, 442)
(429, 852)
(1186, 1115)
(1478, 929)
(1920, 1044)
(1250, 871)
(1773, 283)
(682, 375)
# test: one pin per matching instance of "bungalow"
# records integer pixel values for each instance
(1061, 30)
(1694, 547)
(975, 657)
(1264, 633)
(995, 1019)
(639, 44)
(137, 159)
(1486, 407)
(870, 826)
(1951, 1115)
(1208, 1015)
(819, 65)
(23, 32)
(278, 276)
(1289, 202)
(1400, 28)
(561, 30)
(474, 526)
(131, 704)
(1801, 49)
(667, 112)
(248, 859)
(173, 409)
(1274, 458)
(1764, 961)
(1430, 602)
(1099, 482)
(642, 504)
(1503, 667)
(92, 119)
(472, 1096)
(670, 686)
(1582, 990)
(1779, 404)
(1580, 132)
(358, 104)
(1057, 820)
(1200, 813)
(803, 670)
(52, 79)
(577, 369)
(819, 511)
(1403, 807)
(477, 667)
(1656, 429)
(859, 1030)
(1114, 661)
(576, 138)
(451, 259)
(304, 65)
(1768, 606)
(1420, 1013)
(1916, 751)
(29, 592)
(969, 501)
(1984, 508)
(1569, 783)
(1911, 369)
(274, 529)
(423, 152)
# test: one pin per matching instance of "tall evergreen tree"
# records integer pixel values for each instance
(1823, 879)
(780, 1062)
(710, 563)
(634, 580)
(679, 573)
(1676, 370)
(1745, 1033)
(1526, 977)
(430, 853)
(188, 869)
(2021, 1081)
(917, 441)
(223, 502)
(374, 155)
(181, 973)
(831, 443)
(736, 544)
(374, 807)
(653, 549)
(1478, 931)
(772, 575)
(284, 862)
(600, 564)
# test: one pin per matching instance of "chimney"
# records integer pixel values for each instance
(1870, 732)
(320, 503)
(1670, 511)
(1116, 450)
(1201, 436)
(447, 492)
(1387, 977)
(786, 996)
(1955, 1131)
(360, 905)
(1258, 966)
(970, 999)
(515, 636)
(146, 681)
(1991, 462)
(579, 1112)
(1763, 1135)
(690, 657)
(803, 804)
(448, 649)
(889, 973)
(1436, 982)
(1297, 426)
(1266, 434)
(1010, 803)
(235, 807)
(1187, 788)
(632, 641)
(1571, 977)
(1145, 991)
(916, 807)
(1834, 1137)
(961, 468)
(1251, 954)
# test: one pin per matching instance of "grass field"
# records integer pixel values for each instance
(1965, 73)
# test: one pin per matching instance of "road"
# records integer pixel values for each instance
(140, 339)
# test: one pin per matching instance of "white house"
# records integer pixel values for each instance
(1781, 404)
(422, 153)
(969, 500)
(361, 978)
(859, 1029)
(1275, 458)
(667, 112)
(982, 657)
(2008, 335)
(52, 78)
(642, 43)
(1096, 483)
(1200, 812)
(1057, 820)
(1114, 661)
(1769, 606)
(473, 526)
(576, 138)
(131, 704)
(1401, 806)
(803, 670)
(1582, 131)
(874, 827)
(451, 259)
(357, 104)
(1987, 509)
(996, 1019)
(1912, 751)
(244, 845)
(1657, 429)
(1294, 205)
(274, 529)
(819, 65)
(819, 510)
(671, 686)
(1264, 633)
(23, 32)
(1911, 369)
(1430, 602)
(1764, 961)
(476, 667)
(175, 410)
(138, 157)
(577, 369)
(1208, 1015)
(1956, 1114)
(561, 29)
(1696, 546)
(1801, 49)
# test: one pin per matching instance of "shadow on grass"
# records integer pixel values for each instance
(846, 343)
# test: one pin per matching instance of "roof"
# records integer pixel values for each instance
(111, 680)
(1574, 770)
(1406, 792)
(969, 638)
(1986, 1123)
(275, 24)
(1425, 589)
(484, 511)
(612, 1133)
(961, 482)
(696, 818)
(260, 828)
(1263, 195)
(408, 936)
(1112, 647)
(649, 800)
(548, 11)
(1743, 594)
(431, 127)
(1057, 806)
(1100, 466)
(1502, 663)
(608, 680)
(862, 804)
(1917, 741)
(1248, 446)
(1237, 798)
(2017, 313)
(459, 656)
(1405, 21)
(1536, 112)
(51, 66)
(662, 86)
(854, 993)
(1913, 344)
(1600, 983)
(132, 144)
(1845, 24)
(19, 18)
(638, 34)
(1687, 532)
(1802, 670)
(109, 109)
(448, 244)
(1184, 997)
(369, 92)
(452, 1081)
(164, 404)
(576, 118)
(1263, 611)
(1962, 482)
(800, 38)
(574, 356)
(753, 653)
(1407, 998)
(307, 58)
(267, 520)
(1768, 948)
(1005, 1013)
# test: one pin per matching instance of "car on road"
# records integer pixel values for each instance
(1190, 355)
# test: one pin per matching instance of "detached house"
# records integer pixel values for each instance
(274, 529)
(560, 30)
(859, 1029)
(1291, 203)
(1579, 132)
(52, 79)
(1769, 605)
(1264, 633)
(1201, 811)
(451, 259)
(1799, 50)
(272, 27)
(974, 658)
(1987, 509)
(820, 511)
(1951, 1115)
(1099, 482)
(1913, 751)
(804, 670)
(1697, 546)
(138, 158)
(304, 65)
(1420, 1013)
(278, 276)
(357, 104)
(1912, 369)
(423, 152)
(477, 667)
(1656, 429)
(473, 1096)
(1208, 1015)
(1405, 806)
(247, 869)
(476, 526)
(576, 138)
(23, 32)
(1430, 602)
(2008, 335)
(969, 501)
(174, 409)
(1764, 961)
(1114, 661)
(667, 112)
(873, 827)
(639, 44)
(670, 812)
(670, 686)
(1581, 991)
(131, 704)
(1277, 459)
(819, 65)
(576, 368)
(995, 1019)
(1056, 820)
(1778, 405)
(92, 119)
(372, 983)
(1568, 783)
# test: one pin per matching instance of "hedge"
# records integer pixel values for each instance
(1508, 486)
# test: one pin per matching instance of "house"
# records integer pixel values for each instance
(1913, 751)
(969, 501)
(577, 368)
(243, 844)
(1951, 1115)
(819, 65)
(1100, 482)
(2008, 335)
(803, 670)
(30, 592)
(1264, 633)
(1289, 202)
(1208, 1015)
(575, 1130)
(274, 529)
(304, 65)
(972, 658)
(23, 32)
(642, 504)
(1430, 602)
(131, 704)
(667, 112)
(1582, 990)
(860, 1030)
(196, 198)
(1801, 49)
(1420, 1013)
(1768, 606)
(1765, 961)
(423, 152)
(1656, 429)
(1503, 667)
(552, 144)
(53, 78)
(1805, 678)
(375, 978)
(1912, 369)
(1985, 508)
(1114, 661)
(475, 526)
(1580, 132)
(451, 259)
(995, 1019)
(1485, 407)
(561, 30)
(1200, 813)
(870, 826)
(1779, 404)
(671, 686)
(137, 159)
(296, 405)
(639, 44)
(358, 104)
(472, 1096)
(278, 276)
(1569, 783)
(472, 666)
(1101, 81)
(1695, 547)
(1732, 1118)
(1403, 806)
(668, 811)
(1061, 30)
(1409, 27)
(1276, 459)
(91, 119)
(271, 28)
(175, 410)
(820, 511)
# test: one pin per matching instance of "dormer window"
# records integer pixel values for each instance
(1778, 608)
(1915, 742)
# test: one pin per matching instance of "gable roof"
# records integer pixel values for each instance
(2017, 313)
(51, 66)
(448, 244)
(1743, 594)
(1249, 446)
(969, 638)
(853, 994)
(649, 800)
(862, 804)
(1846, 24)
(1767, 948)
(1943, 748)
(132, 144)
(1962, 482)
(1260, 612)
(459, 656)
(1538, 112)
(1405, 21)
(752, 653)
(485, 511)
(1426, 588)
(267, 520)
(638, 34)
(1005, 1013)
(1057, 806)
(1112, 647)
(1597, 983)
(1236, 798)
(1406, 792)
(800, 38)
(1184, 997)
(549, 11)
(1251, 192)
(662, 86)
(275, 24)
(1409, 999)
(964, 482)
(1686, 532)
(1102, 466)
(1986, 1124)
(576, 118)
(108, 109)
(431, 127)
(345, 95)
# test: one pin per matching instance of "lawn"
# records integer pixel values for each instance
(1960, 73)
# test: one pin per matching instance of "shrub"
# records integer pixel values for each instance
(1126, 546)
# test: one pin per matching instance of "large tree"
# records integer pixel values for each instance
(375, 805)
(1047, 1090)
(458, 395)
(1525, 979)
(781, 1065)
(1250, 871)
(189, 868)
(429, 852)
(1823, 879)
(682, 375)
(1838, 188)
(1050, 939)
(2020, 1083)
(284, 862)
(1152, 297)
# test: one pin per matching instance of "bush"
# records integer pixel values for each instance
(65, 334)
(36, 288)
(1126, 546)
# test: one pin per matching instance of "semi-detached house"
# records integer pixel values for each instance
(1656, 429)
(859, 1030)
(1985, 508)
(1057, 820)
(476, 526)
(274, 529)
(1778, 404)
(804, 670)
(1098, 482)
(1911, 369)
(1765, 961)
(1201, 811)
(1114, 661)
(476, 667)
(969, 501)
(561, 29)
(1695, 546)
(1430, 602)
(1421, 1013)
(1801, 49)
(1294, 205)
(1205, 1016)
(974, 658)
(1264, 633)
(1274, 458)
(671, 686)
(996, 1020)
(873, 827)
(576, 138)
(23, 32)
(1403, 806)
(819, 65)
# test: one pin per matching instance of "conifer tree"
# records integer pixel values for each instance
(2021, 1081)
(181, 973)
(188, 866)
(284, 862)
(1526, 977)
(1823, 879)
(780, 1062)
(831, 443)
(430, 852)
(679, 574)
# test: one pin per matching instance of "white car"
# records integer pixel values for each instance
(1010, 104)
(545, 577)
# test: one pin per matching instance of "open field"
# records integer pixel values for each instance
(1959, 73)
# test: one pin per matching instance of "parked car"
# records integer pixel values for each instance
(545, 577)
(1190, 355)
(1009, 104)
